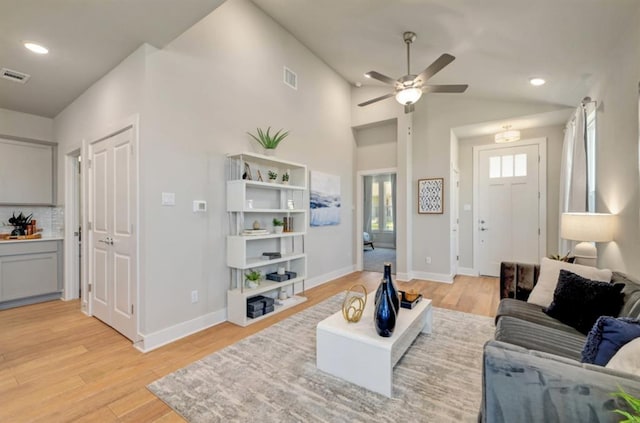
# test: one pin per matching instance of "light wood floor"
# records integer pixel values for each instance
(56, 364)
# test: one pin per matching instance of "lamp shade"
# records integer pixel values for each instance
(592, 227)
(408, 96)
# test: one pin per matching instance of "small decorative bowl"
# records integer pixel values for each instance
(411, 295)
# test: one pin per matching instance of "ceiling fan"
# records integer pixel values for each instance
(409, 88)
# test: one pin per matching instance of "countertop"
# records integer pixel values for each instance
(49, 238)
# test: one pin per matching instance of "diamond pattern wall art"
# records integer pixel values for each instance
(430, 196)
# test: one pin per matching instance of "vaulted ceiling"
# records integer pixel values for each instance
(499, 44)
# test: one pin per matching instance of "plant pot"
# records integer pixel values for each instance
(272, 180)
(278, 229)
(251, 284)
(285, 182)
(269, 151)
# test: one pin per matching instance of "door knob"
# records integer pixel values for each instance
(484, 229)
(104, 241)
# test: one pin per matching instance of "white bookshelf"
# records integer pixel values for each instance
(251, 201)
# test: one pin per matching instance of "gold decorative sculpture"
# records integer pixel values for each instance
(354, 303)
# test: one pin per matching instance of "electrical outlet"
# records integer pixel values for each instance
(194, 297)
(428, 260)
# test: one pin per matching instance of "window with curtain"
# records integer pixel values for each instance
(382, 207)
(578, 165)
(379, 204)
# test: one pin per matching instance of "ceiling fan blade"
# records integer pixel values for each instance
(458, 88)
(380, 77)
(409, 108)
(434, 68)
(373, 100)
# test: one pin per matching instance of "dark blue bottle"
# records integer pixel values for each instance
(384, 315)
(395, 299)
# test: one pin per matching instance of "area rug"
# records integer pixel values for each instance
(374, 260)
(271, 376)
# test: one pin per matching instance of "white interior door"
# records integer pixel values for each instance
(113, 259)
(508, 207)
(455, 222)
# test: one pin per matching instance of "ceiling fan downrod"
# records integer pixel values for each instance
(409, 37)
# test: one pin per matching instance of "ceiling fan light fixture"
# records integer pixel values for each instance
(508, 135)
(408, 96)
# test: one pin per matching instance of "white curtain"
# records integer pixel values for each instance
(573, 171)
(366, 223)
(393, 206)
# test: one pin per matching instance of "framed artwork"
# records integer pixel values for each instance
(324, 199)
(430, 196)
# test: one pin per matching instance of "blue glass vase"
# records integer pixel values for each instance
(384, 315)
(395, 299)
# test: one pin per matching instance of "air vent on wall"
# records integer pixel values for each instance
(290, 78)
(14, 75)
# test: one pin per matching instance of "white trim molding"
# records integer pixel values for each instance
(327, 277)
(467, 271)
(173, 333)
(433, 277)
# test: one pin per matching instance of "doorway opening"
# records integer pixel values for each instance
(379, 221)
(73, 226)
(509, 204)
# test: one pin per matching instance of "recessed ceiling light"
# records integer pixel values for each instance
(536, 82)
(367, 75)
(36, 48)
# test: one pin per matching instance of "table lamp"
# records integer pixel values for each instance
(587, 228)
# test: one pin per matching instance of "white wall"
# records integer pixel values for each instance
(555, 136)
(376, 146)
(617, 184)
(23, 125)
(206, 89)
(115, 97)
(433, 119)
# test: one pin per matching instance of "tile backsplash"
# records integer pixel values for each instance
(50, 219)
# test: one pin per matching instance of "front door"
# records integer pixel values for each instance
(113, 260)
(508, 207)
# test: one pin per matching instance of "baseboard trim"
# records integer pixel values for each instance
(319, 280)
(171, 334)
(404, 277)
(467, 271)
(435, 277)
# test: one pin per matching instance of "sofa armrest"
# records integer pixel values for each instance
(518, 279)
(520, 385)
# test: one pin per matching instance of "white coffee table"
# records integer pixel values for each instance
(356, 353)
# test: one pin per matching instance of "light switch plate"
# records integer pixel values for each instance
(199, 206)
(168, 198)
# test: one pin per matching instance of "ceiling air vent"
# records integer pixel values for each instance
(290, 78)
(14, 75)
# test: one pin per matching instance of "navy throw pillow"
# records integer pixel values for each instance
(607, 336)
(578, 302)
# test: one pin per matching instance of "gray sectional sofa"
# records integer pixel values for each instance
(532, 370)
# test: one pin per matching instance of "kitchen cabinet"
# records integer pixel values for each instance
(252, 203)
(30, 272)
(27, 173)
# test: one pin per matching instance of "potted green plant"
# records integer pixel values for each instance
(252, 279)
(278, 225)
(632, 402)
(267, 141)
(273, 176)
(285, 178)
(19, 223)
